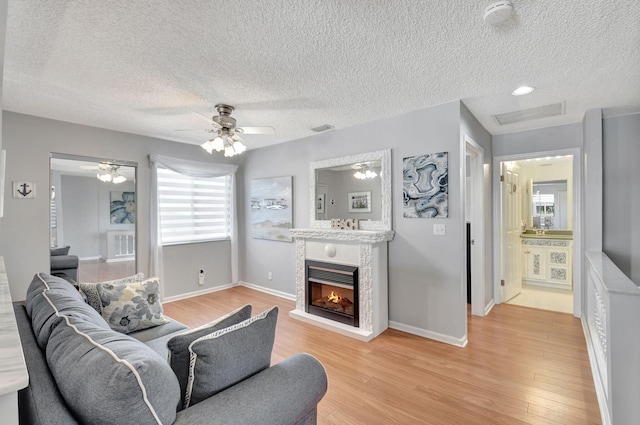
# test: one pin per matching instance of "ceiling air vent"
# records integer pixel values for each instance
(530, 114)
(325, 127)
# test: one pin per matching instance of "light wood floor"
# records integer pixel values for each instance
(521, 366)
(99, 271)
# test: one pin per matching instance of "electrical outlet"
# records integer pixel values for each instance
(270, 276)
(201, 277)
(439, 229)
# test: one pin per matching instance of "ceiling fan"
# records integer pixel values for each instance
(107, 173)
(227, 134)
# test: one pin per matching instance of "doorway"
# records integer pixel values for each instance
(474, 223)
(538, 231)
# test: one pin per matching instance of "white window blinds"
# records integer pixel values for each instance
(193, 209)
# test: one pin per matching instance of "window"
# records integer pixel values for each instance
(193, 209)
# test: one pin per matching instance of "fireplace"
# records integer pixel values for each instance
(332, 291)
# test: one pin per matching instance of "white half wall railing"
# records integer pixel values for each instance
(121, 245)
(612, 315)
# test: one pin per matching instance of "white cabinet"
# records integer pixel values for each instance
(535, 264)
(547, 262)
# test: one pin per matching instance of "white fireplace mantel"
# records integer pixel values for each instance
(366, 249)
(359, 236)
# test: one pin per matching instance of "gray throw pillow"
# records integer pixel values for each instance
(225, 357)
(91, 292)
(178, 346)
(131, 307)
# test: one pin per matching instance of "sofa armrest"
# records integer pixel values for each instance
(285, 393)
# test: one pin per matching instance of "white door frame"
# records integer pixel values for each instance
(478, 303)
(577, 220)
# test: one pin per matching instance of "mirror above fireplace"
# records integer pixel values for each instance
(365, 177)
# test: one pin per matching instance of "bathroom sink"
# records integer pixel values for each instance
(549, 234)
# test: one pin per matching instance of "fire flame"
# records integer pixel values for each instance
(334, 298)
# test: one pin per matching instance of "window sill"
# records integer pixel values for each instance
(196, 242)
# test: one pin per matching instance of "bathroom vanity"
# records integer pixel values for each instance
(547, 258)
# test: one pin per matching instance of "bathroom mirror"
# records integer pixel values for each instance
(549, 205)
(93, 211)
(353, 186)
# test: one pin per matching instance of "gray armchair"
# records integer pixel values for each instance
(63, 264)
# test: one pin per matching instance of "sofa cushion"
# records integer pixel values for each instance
(91, 291)
(131, 307)
(178, 346)
(67, 301)
(227, 356)
(104, 376)
(63, 250)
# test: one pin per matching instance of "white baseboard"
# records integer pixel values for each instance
(269, 291)
(196, 293)
(489, 307)
(597, 381)
(118, 260)
(458, 342)
(96, 258)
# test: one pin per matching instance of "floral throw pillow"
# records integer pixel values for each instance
(131, 307)
(91, 292)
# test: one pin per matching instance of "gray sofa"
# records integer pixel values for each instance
(81, 371)
(63, 264)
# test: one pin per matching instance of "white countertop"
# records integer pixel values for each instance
(13, 372)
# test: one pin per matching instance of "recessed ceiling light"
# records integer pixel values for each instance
(522, 90)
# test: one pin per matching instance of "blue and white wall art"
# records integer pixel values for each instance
(271, 212)
(123, 207)
(426, 185)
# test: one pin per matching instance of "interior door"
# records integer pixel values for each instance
(511, 213)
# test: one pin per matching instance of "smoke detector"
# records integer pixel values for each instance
(497, 12)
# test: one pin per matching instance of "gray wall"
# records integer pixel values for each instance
(538, 140)
(426, 279)
(24, 239)
(80, 201)
(621, 193)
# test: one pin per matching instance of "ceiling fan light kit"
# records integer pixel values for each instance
(109, 174)
(227, 139)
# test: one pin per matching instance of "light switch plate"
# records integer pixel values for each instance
(439, 229)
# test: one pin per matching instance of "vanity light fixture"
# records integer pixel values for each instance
(522, 90)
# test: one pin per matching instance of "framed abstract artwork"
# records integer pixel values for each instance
(425, 185)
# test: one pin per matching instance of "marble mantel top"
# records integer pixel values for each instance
(13, 372)
(361, 236)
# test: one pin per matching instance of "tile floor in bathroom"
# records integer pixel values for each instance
(544, 298)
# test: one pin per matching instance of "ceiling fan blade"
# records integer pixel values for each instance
(193, 129)
(204, 117)
(256, 130)
(89, 167)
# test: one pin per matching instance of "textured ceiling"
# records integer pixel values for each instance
(145, 66)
